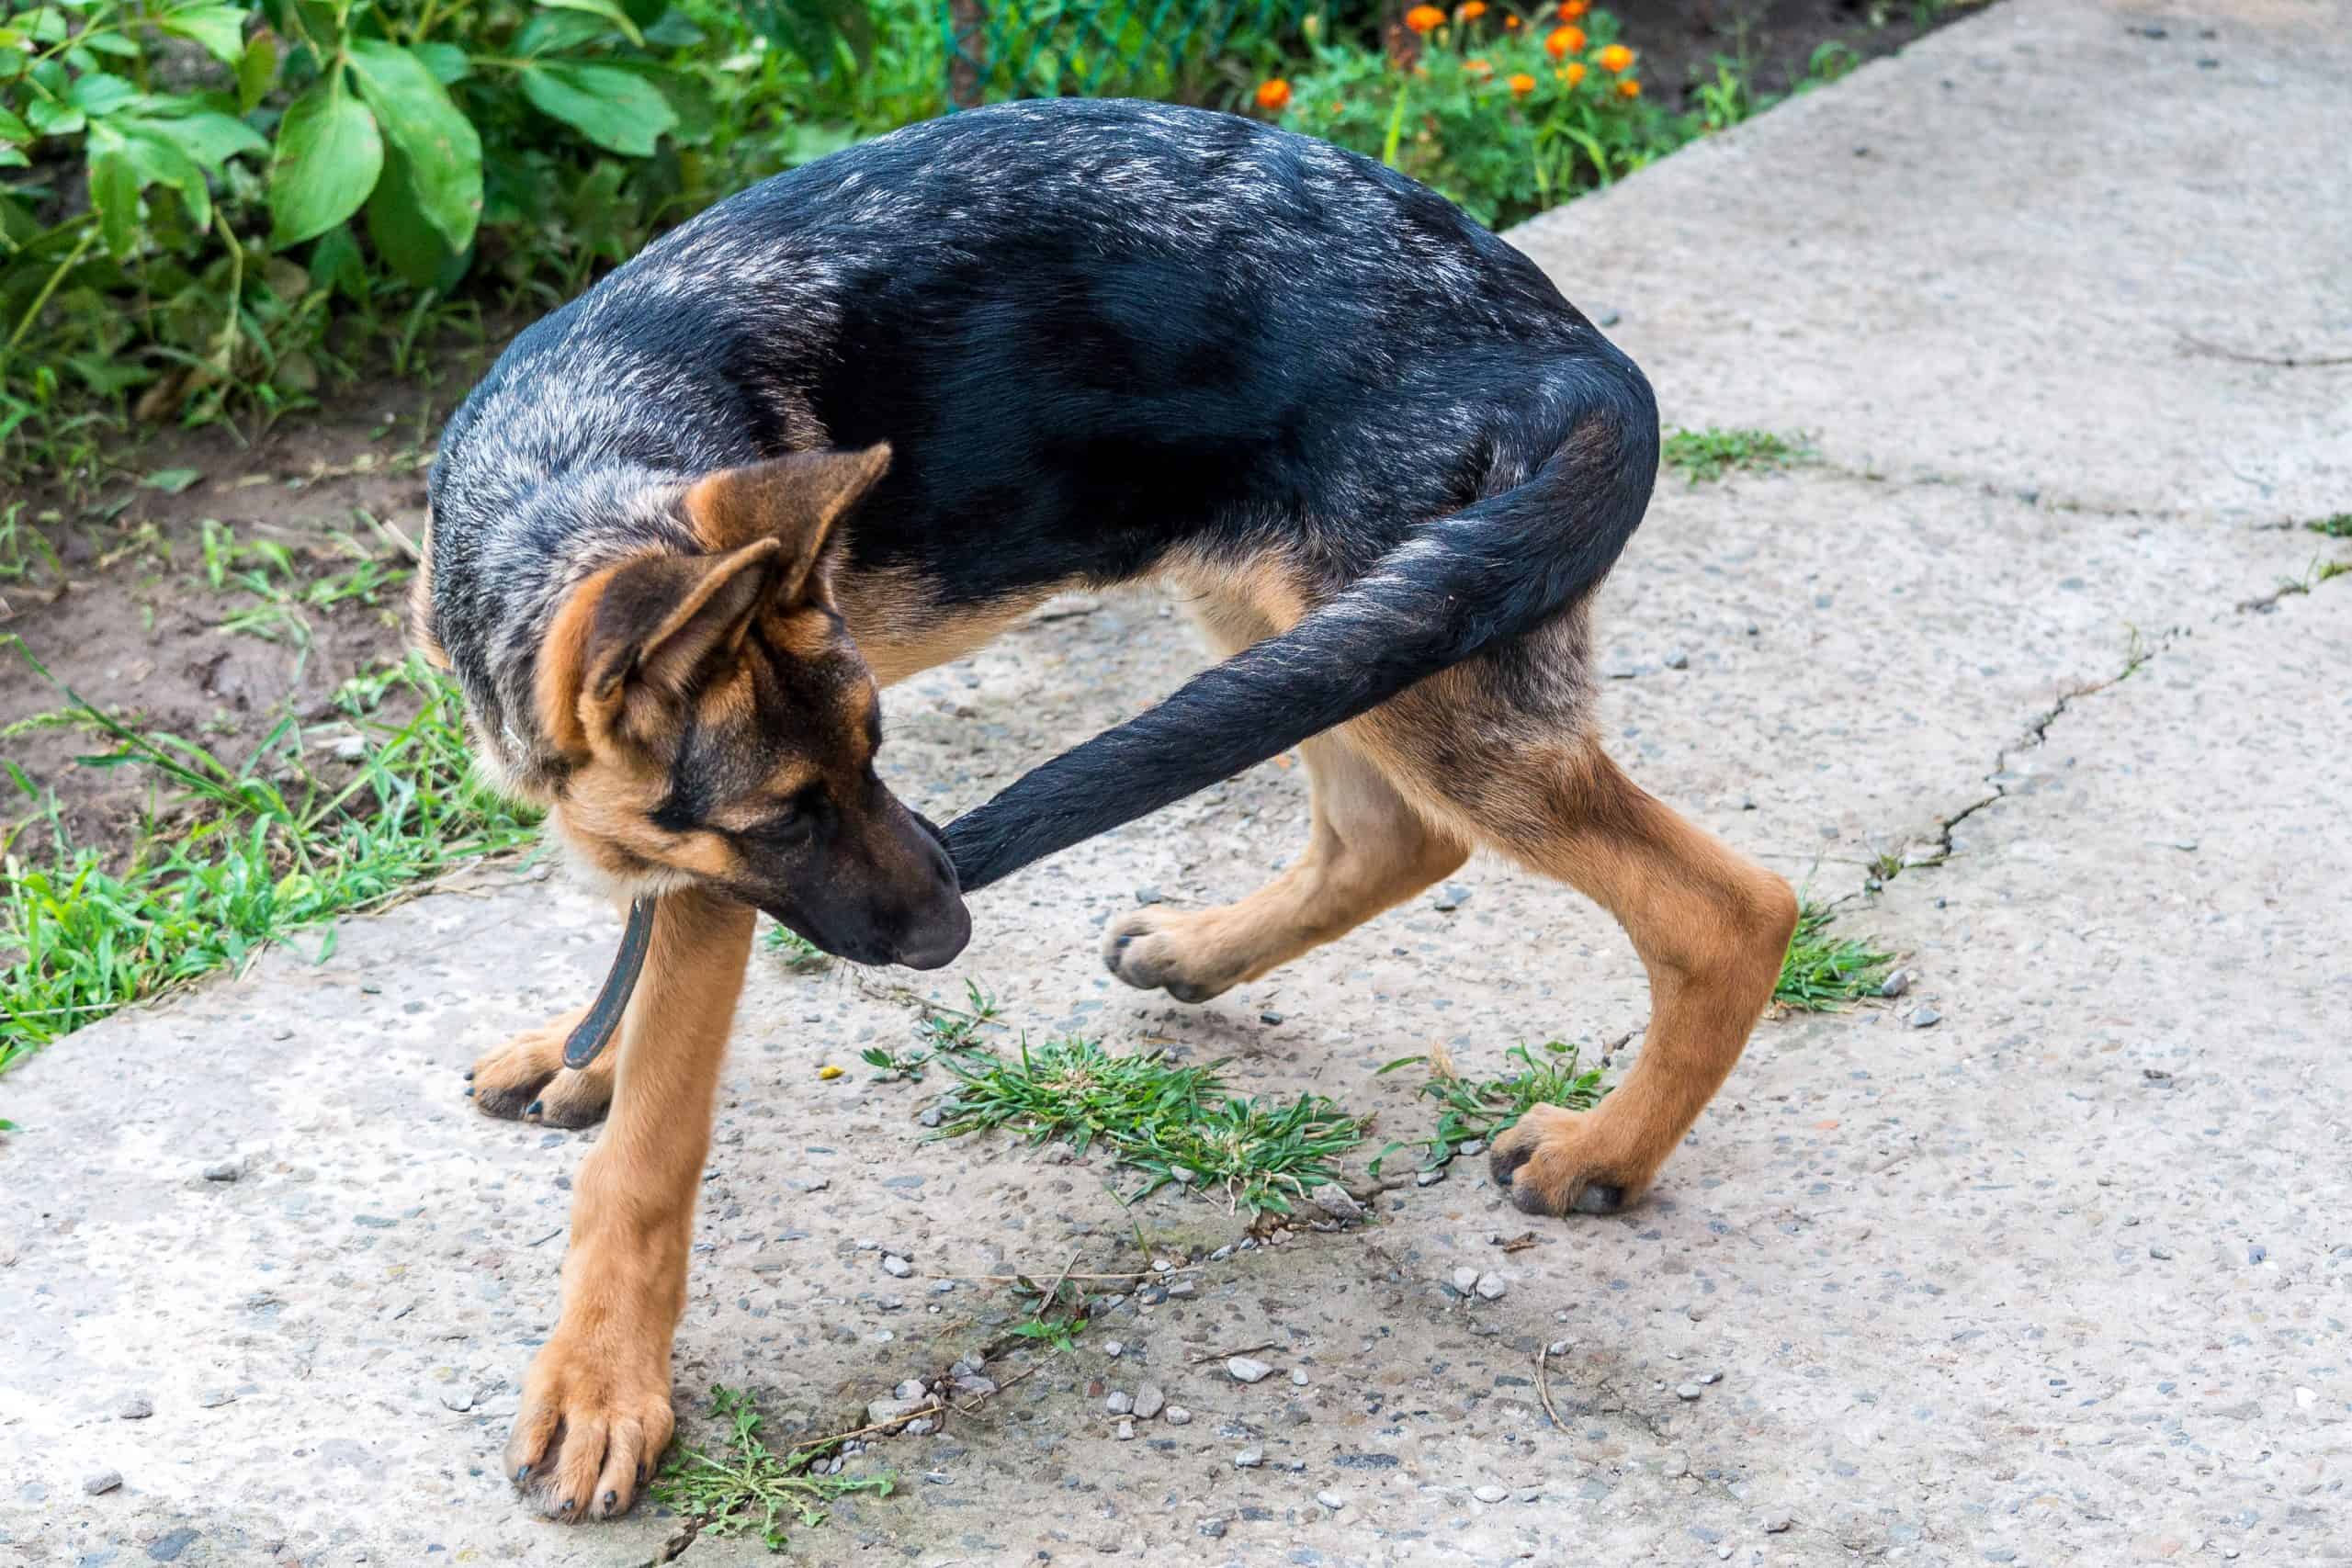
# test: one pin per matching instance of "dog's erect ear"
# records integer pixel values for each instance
(654, 629)
(795, 501)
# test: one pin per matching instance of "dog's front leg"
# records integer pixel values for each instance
(595, 1413)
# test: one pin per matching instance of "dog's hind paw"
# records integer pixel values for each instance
(525, 1080)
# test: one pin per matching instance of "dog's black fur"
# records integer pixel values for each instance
(1097, 335)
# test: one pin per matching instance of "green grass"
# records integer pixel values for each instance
(798, 950)
(1701, 456)
(944, 1030)
(250, 853)
(1174, 1124)
(2336, 527)
(1822, 973)
(1480, 1111)
(740, 1485)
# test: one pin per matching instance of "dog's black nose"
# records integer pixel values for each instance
(937, 938)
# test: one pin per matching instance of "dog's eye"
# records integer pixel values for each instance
(793, 824)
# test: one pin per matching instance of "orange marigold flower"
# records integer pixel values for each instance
(1424, 18)
(1470, 10)
(1571, 9)
(1616, 58)
(1572, 72)
(1564, 42)
(1274, 94)
(1510, 23)
(1479, 67)
(1521, 85)
(1629, 88)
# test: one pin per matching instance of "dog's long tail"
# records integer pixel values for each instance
(1485, 574)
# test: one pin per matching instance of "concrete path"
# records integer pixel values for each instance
(2062, 1278)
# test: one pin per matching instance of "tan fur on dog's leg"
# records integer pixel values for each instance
(596, 1412)
(1370, 850)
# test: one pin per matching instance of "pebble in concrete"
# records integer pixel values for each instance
(101, 1483)
(1245, 1368)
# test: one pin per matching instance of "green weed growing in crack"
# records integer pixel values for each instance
(798, 950)
(1821, 971)
(1174, 1124)
(1481, 1110)
(2336, 527)
(745, 1486)
(1701, 456)
(944, 1030)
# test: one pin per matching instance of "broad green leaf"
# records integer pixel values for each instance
(51, 117)
(100, 93)
(209, 138)
(616, 109)
(609, 9)
(109, 42)
(12, 129)
(674, 29)
(445, 60)
(329, 154)
(444, 154)
(404, 237)
(335, 262)
(12, 159)
(114, 191)
(170, 481)
(255, 71)
(160, 161)
(552, 33)
(220, 28)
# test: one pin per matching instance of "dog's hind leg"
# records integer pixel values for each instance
(1527, 779)
(525, 1080)
(1370, 850)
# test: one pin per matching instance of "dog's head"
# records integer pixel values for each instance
(720, 726)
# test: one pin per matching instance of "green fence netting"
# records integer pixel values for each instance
(1150, 49)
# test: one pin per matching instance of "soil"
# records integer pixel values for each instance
(136, 627)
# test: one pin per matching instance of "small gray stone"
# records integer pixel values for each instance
(458, 1400)
(1213, 1528)
(1182, 1291)
(1332, 1500)
(1179, 1416)
(1687, 1391)
(1269, 1018)
(1677, 1465)
(1119, 1403)
(1221, 1252)
(1710, 1378)
(2161, 1254)
(1895, 985)
(911, 1389)
(1126, 1431)
(1489, 1493)
(890, 1303)
(1249, 1459)
(1677, 659)
(1114, 1350)
(1450, 897)
(1466, 1280)
(1492, 1286)
(1298, 1376)
(1246, 1368)
(896, 1266)
(921, 1427)
(135, 1407)
(1429, 1177)
(1559, 1346)
(1334, 1200)
(1777, 1523)
(1147, 894)
(932, 1117)
(227, 1171)
(1150, 1402)
(101, 1483)
(890, 1412)
(1925, 1017)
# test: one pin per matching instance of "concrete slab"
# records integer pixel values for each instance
(1994, 258)
(1918, 1325)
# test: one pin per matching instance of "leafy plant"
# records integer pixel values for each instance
(1701, 456)
(1472, 1112)
(1173, 1123)
(744, 1486)
(1821, 972)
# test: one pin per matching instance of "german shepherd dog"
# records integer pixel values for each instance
(852, 422)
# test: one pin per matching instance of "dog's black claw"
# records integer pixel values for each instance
(568, 1505)
(1528, 1201)
(1601, 1198)
(1502, 1162)
(522, 1473)
(533, 1109)
(469, 1074)
(469, 1092)
(612, 1498)
(640, 1474)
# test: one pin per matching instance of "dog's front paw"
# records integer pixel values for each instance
(524, 1079)
(595, 1419)
(1560, 1162)
(1162, 949)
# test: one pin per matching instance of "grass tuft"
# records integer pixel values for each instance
(1480, 1111)
(2336, 527)
(1701, 456)
(1174, 1124)
(1822, 973)
(745, 1486)
(262, 850)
